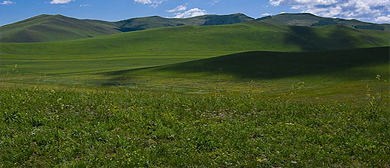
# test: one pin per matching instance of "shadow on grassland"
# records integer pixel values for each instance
(273, 65)
(338, 37)
(309, 40)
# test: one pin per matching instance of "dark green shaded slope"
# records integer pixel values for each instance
(45, 28)
(273, 65)
(235, 38)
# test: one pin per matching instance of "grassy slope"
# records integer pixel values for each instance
(46, 28)
(274, 65)
(157, 22)
(292, 19)
(83, 61)
(237, 37)
(307, 19)
(341, 75)
(246, 127)
(80, 58)
(54, 28)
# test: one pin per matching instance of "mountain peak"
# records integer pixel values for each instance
(239, 14)
(49, 15)
(298, 14)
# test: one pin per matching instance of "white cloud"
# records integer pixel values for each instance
(266, 14)
(61, 1)
(383, 19)
(85, 5)
(151, 3)
(143, 1)
(275, 2)
(213, 2)
(179, 8)
(191, 13)
(358, 9)
(301, 2)
(7, 3)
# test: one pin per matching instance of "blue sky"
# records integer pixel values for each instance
(114, 10)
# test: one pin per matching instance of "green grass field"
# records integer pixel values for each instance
(128, 128)
(241, 95)
(251, 36)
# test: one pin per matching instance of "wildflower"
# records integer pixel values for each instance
(378, 77)
(262, 159)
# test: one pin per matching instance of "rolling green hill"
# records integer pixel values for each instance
(236, 37)
(84, 61)
(325, 76)
(44, 28)
(307, 19)
(157, 21)
(275, 65)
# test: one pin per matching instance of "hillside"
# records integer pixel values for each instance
(236, 37)
(275, 65)
(157, 21)
(307, 19)
(44, 28)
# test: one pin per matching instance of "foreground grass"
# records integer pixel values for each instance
(120, 127)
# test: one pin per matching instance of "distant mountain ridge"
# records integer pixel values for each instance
(46, 28)
(307, 19)
(157, 21)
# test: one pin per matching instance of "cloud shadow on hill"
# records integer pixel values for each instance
(308, 40)
(273, 65)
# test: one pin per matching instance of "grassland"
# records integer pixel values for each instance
(121, 128)
(252, 36)
(341, 75)
(105, 61)
(86, 61)
(221, 114)
(242, 95)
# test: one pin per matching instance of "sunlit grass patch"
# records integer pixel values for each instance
(121, 127)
